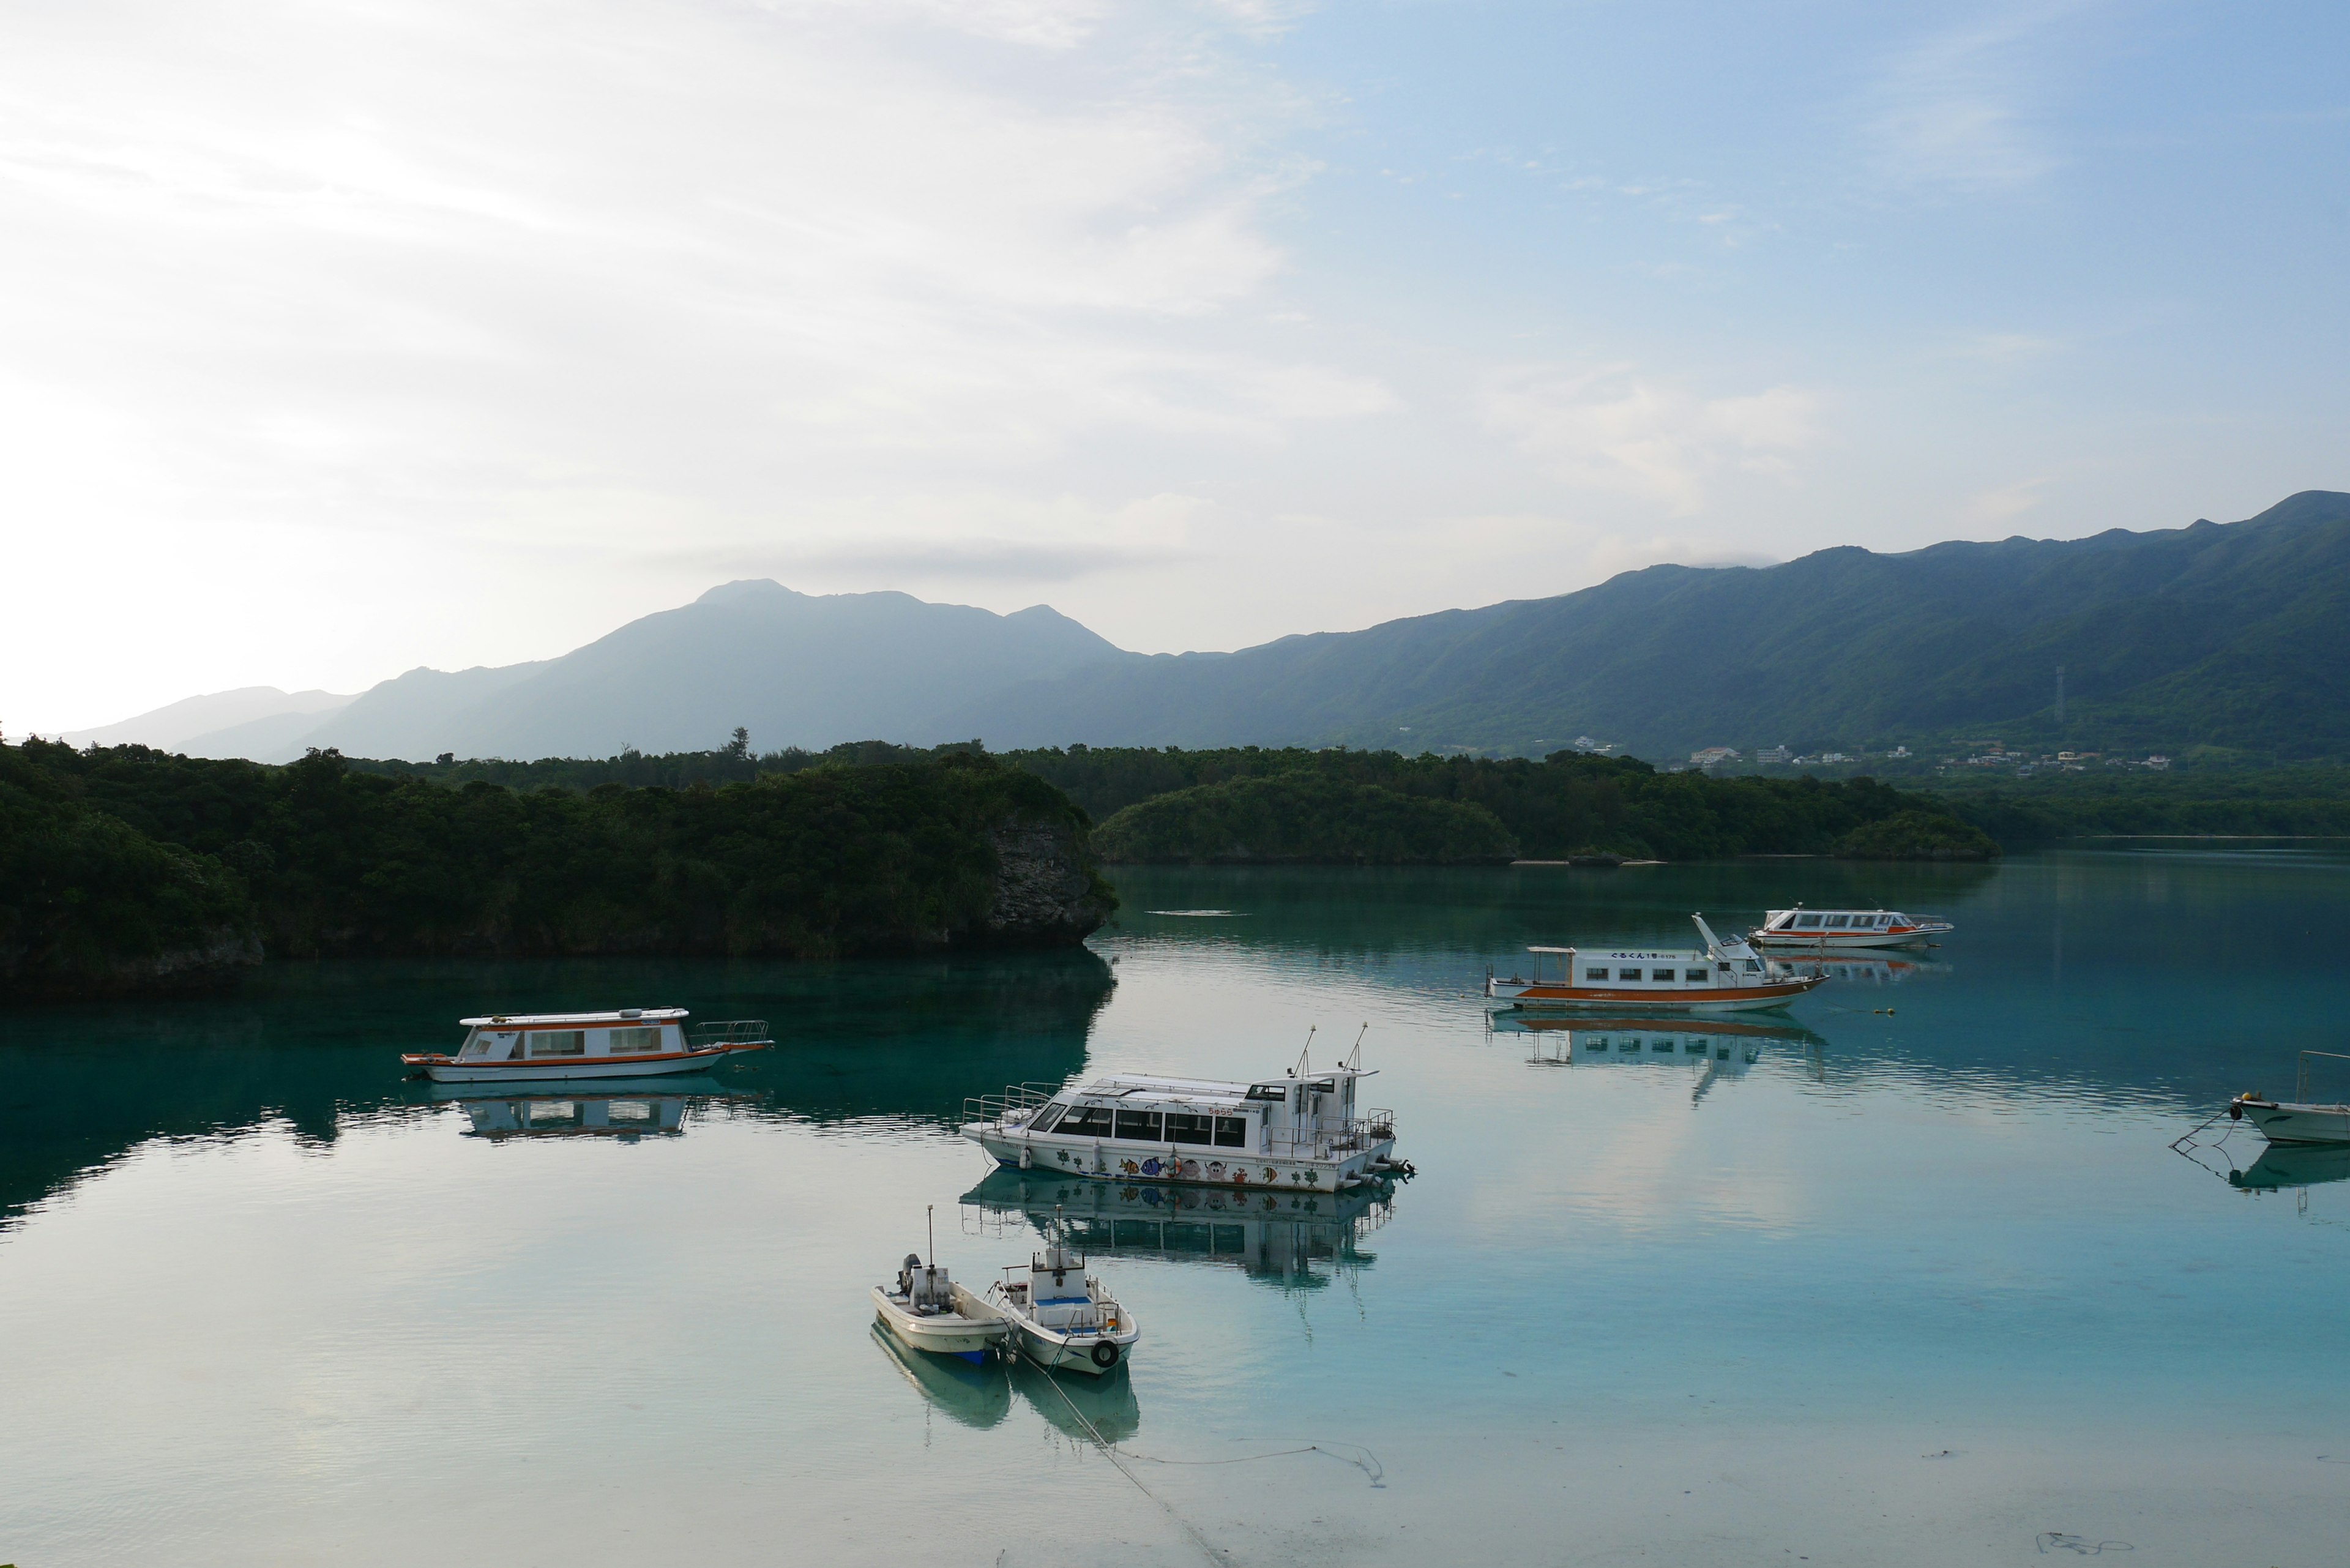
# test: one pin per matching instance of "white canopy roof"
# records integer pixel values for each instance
(579, 1020)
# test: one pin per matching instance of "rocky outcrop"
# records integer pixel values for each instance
(1047, 893)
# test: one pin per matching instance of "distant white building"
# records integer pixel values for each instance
(1899, 751)
(1713, 756)
(1827, 757)
(1773, 755)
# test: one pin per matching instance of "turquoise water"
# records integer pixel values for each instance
(1909, 1274)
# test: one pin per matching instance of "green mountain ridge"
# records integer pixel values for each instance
(2227, 635)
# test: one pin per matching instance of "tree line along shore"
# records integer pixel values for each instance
(125, 869)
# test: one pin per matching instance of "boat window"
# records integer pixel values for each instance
(634, 1041)
(1694, 976)
(558, 1043)
(1141, 1124)
(1231, 1132)
(1836, 922)
(1278, 1092)
(1048, 1117)
(1086, 1121)
(476, 1045)
(1753, 968)
(1808, 922)
(1594, 974)
(1185, 1128)
(1628, 974)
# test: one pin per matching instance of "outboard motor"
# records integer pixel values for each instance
(906, 1274)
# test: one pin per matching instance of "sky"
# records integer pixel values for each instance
(345, 337)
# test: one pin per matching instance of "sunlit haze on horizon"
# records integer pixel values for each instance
(341, 337)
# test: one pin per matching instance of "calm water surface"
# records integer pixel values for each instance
(1910, 1274)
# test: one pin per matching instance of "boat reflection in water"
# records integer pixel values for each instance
(977, 1396)
(1106, 1402)
(625, 1116)
(980, 1396)
(1287, 1238)
(2284, 1165)
(1853, 969)
(1713, 1048)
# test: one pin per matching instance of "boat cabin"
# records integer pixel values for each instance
(1639, 969)
(633, 1032)
(1288, 1117)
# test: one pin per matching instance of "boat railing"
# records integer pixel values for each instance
(731, 1032)
(2301, 1078)
(1015, 1097)
(1332, 1142)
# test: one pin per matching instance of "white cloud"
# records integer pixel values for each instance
(1957, 109)
(1995, 508)
(517, 289)
(1614, 429)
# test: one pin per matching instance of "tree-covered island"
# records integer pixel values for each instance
(125, 869)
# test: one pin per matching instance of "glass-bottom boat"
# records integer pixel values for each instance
(1727, 977)
(1828, 930)
(633, 1043)
(1299, 1133)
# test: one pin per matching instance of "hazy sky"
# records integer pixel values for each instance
(340, 338)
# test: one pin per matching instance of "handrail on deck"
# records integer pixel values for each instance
(731, 1032)
(2301, 1076)
(1015, 1097)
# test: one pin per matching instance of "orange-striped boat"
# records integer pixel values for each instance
(634, 1043)
(1727, 977)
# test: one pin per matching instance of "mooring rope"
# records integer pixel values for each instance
(1110, 1451)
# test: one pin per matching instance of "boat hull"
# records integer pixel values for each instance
(455, 1069)
(1104, 1160)
(2288, 1123)
(1056, 1354)
(963, 1334)
(1710, 999)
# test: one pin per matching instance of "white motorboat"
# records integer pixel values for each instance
(925, 1310)
(2299, 1119)
(1060, 1316)
(2287, 1121)
(1727, 977)
(1300, 1132)
(1828, 930)
(633, 1043)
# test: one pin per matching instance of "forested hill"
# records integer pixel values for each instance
(124, 868)
(2230, 636)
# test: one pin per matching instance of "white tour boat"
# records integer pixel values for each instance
(1826, 930)
(1302, 1132)
(1726, 977)
(925, 1310)
(634, 1043)
(1060, 1315)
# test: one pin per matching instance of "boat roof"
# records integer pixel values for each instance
(625, 1016)
(1671, 955)
(1206, 1091)
(1825, 910)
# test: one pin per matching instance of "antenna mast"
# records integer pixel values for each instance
(1354, 1057)
(1299, 1071)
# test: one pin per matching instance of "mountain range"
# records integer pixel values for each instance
(2228, 636)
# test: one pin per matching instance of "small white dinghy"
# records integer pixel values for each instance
(1059, 1315)
(924, 1310)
